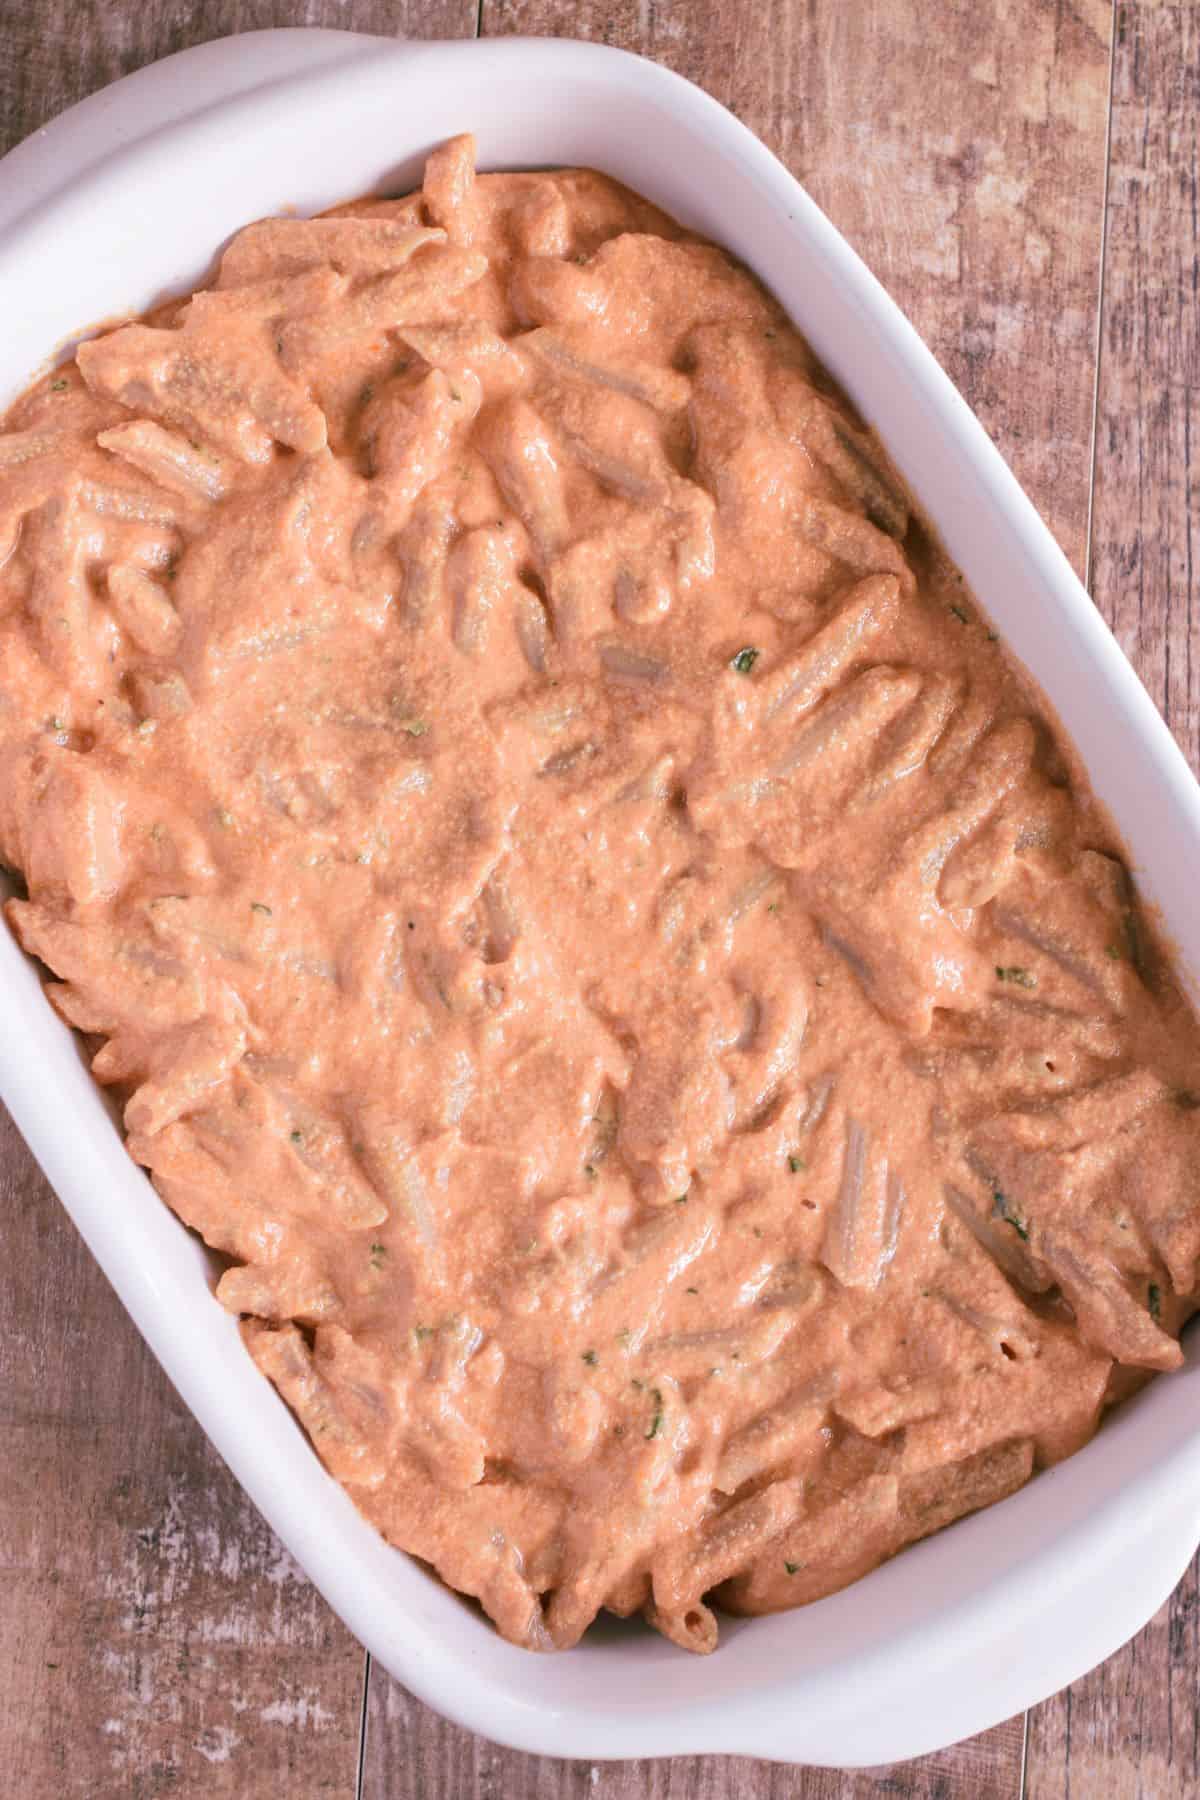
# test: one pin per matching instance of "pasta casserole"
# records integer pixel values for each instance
(579, 909)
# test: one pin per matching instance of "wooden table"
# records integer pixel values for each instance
(1022, 174)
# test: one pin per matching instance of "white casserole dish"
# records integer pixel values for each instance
(125, 198)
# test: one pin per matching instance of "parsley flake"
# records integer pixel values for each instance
(1002, 1210)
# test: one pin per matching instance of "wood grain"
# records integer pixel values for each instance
(967, 165)
(156, 1638)
(964, 160)
(1132, 1728)
(410, 1754)
(56, 51)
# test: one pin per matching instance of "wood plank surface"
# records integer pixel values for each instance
(967, 165)
(410, 1754)
(54, 52)
(154, 1637)
(961, 150)
(1132, 1728)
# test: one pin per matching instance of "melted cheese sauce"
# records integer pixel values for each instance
(580, 909)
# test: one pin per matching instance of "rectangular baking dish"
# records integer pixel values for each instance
(123, 200)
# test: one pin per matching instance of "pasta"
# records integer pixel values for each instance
(579, 909)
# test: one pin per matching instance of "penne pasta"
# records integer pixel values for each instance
(577, 910)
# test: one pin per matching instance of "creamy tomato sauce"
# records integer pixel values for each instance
(579, 908)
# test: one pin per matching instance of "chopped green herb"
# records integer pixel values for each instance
(1019, 977)
(745, 659)
(414, 727)
(1114, 952)
(993, 637)
(681, 1199)
(378, 1255)
(590, 1358)
(635, 1383)
(656, 1423)
(796, 1164)
(259, 906)
(1002, 1210)
(792, 1568)
(421, 1332)
(959, 613)
(1154, 1300)
(589, 1171)
(773, 906)
(691, 1290)
(297, 1137)
(624, 1336)
(58, 387)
